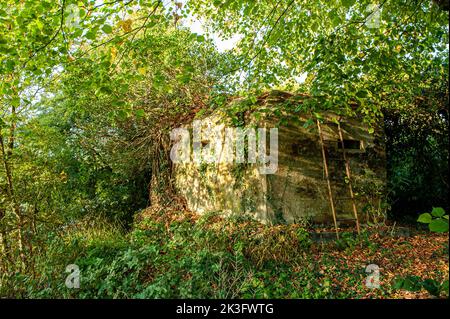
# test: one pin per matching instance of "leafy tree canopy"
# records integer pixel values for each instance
(375, 54)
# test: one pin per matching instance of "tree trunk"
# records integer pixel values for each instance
(6, 154)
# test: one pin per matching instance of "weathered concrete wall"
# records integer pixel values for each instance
(298, 189)
(226, 187)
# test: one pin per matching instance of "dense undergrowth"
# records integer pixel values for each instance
(182, 255)
(90, 91)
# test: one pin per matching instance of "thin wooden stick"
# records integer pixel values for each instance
(330, 194)
(347, 171)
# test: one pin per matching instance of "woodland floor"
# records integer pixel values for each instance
(423, 255)
(173, 253)
(333, 269)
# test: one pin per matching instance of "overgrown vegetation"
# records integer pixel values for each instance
(437, 222)
(89, 91)
(172, 254)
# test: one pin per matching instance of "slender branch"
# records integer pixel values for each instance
(139, 29)
(109, 3)
(51, 40)
(269, 16)
(266, 38)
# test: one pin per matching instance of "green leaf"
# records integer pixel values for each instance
(318, 116)
(398, 283)
(336, 20)
(200, 38)
(432, 286)
(140, 113)
(439, 225)
(362, 94)
(444, 287)
(91, 35)
(348, 3)
(438, 212)
(122, 115)
(15, 102)
(412, 283)
(425, 218)
(78, 32)
(107, 29)
(308, 123)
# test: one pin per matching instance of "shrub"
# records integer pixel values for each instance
(437, 221)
